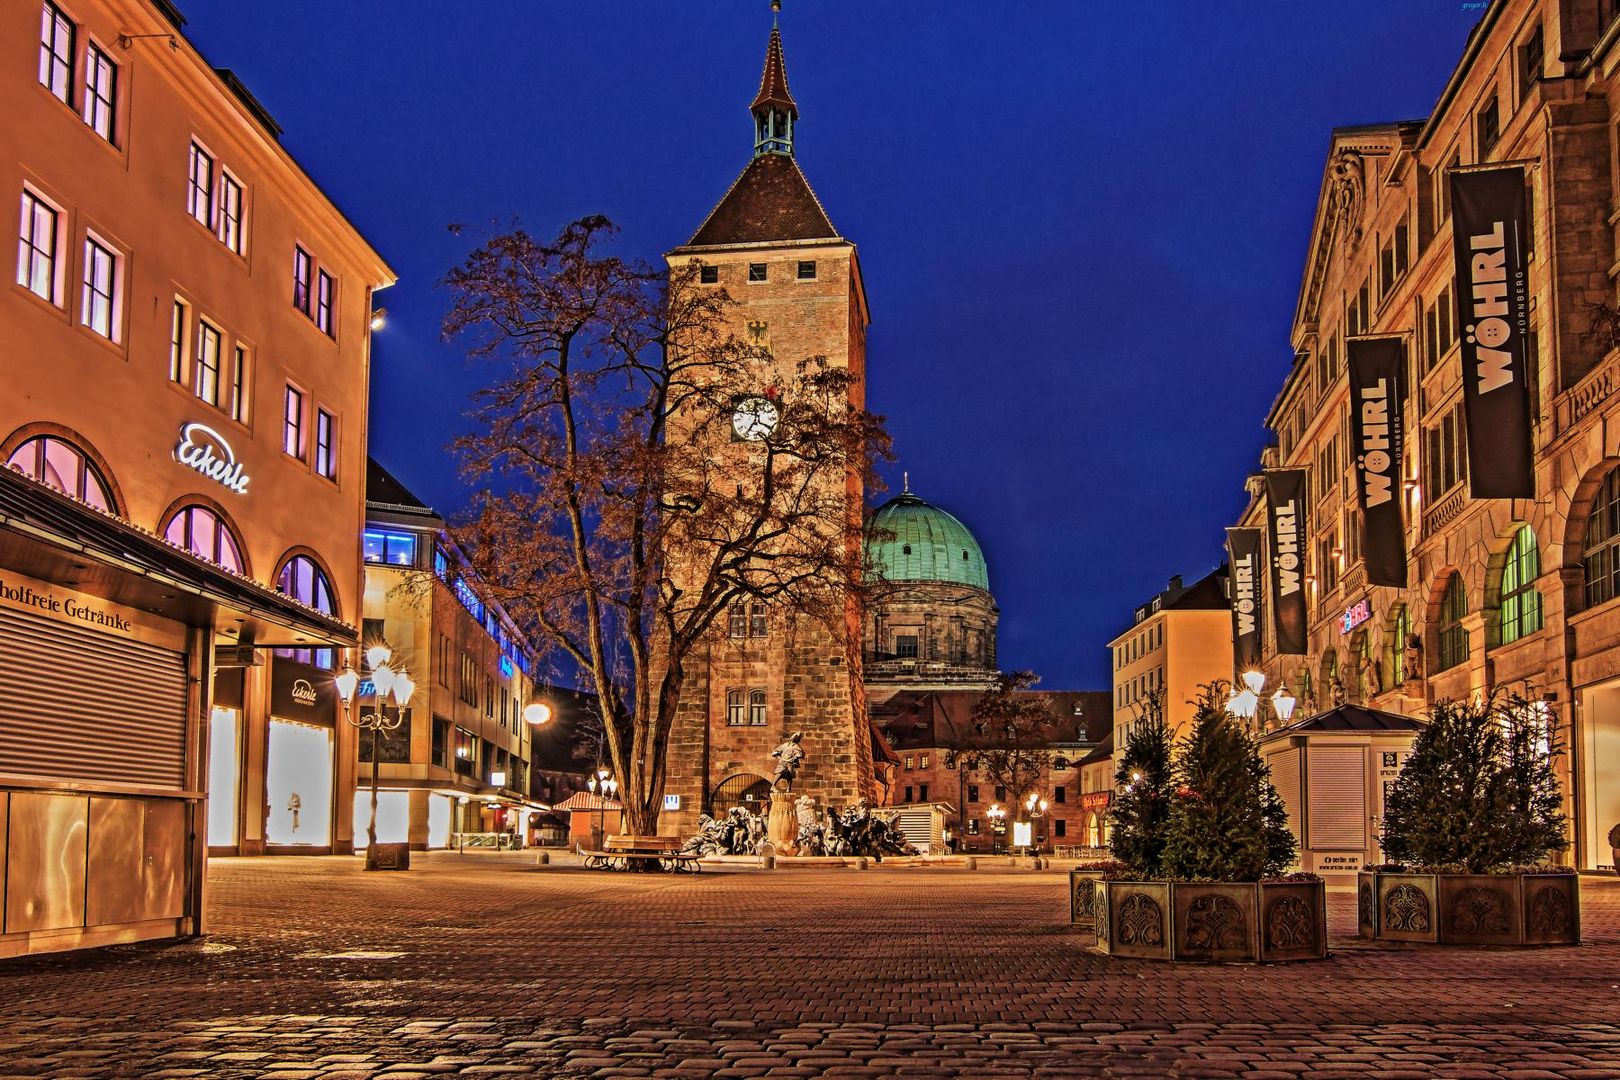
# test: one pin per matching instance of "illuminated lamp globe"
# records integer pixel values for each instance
(404, 687)
(1255, 681)
(537, 713)
(1284, 701)
(383, 679)
(378, 655)
(347, 684)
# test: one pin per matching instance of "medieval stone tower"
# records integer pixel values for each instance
(765, 673)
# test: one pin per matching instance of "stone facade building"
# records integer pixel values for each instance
(1513, 595)
(934, 736)
(460, 761)
(766, 673)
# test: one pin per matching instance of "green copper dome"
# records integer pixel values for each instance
(909, 540)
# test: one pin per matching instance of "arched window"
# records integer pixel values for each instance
(204, 533)
(64, 467)
(1602, 554)
(1397, 628)
(1453, 638)
(302, 579)
(1521, 603)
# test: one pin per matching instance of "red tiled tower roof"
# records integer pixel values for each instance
(771, 201)
(773, 87)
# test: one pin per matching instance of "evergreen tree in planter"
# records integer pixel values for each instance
(1227, 822)
(1478, 791)
(1142, 785)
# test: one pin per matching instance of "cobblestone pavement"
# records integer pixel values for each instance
(486, 966)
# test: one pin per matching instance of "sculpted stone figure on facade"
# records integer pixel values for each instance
(1414, 658)
(1347, 194)
(789, 756)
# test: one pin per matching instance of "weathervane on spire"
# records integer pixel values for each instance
(905, 477)
(776, 9)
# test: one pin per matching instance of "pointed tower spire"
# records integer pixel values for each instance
(775, 113)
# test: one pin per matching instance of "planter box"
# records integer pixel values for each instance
(388, 857)
(1213, 921)
(1470, 909)
(1084, 897)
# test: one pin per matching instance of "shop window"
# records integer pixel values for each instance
(1453, 637)
(204, 533)
(63, 466)
(1521, 603)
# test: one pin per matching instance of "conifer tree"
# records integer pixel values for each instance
(1478, 791)
(1227, 822)
(1141, 810)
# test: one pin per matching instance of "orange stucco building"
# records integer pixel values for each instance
(184, 359)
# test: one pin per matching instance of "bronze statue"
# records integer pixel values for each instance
(789, 756)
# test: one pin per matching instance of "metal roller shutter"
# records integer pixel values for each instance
(1338, 794)
(77, 705)
(1285, 778)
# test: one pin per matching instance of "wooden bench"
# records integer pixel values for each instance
(620, 852)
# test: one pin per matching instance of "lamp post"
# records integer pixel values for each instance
(1035, 806)
(1247, 702)
(387, 681)
(997, 815)
(604, 784)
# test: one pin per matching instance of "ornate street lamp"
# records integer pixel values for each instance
(604, 784)
(996, 814)
(1283, 701)
(388, 681)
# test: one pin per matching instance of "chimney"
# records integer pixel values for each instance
(1175, 583)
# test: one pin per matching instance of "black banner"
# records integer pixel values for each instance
(1285, 524)
(1490, 241)
(1377, 438)
(1245, 549)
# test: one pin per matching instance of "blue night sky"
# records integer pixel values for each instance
(1082, 227)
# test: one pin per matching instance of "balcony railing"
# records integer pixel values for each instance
(1440, 514)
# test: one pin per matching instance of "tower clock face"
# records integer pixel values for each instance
(754, 418)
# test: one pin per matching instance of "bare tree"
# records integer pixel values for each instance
(619, 512)
(1012, 735)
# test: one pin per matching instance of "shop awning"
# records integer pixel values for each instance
(48, 535)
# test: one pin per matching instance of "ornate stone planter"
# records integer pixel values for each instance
(1469, 909)
(1084, 897)
(1213, 921)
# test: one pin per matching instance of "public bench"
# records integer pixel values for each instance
(623, 852)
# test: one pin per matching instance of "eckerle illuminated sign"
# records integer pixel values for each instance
(302, 692)
(205, 450)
